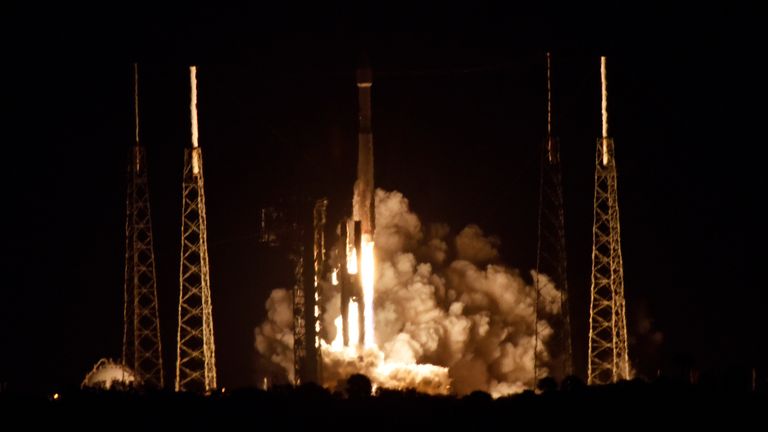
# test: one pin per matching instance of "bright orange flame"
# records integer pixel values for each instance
(354, 328)
(338, 342)
(353, 323)
(55, 396)
(390, 373)
(352, 260)
(367, 277)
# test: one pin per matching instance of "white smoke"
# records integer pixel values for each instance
(448, 306)
(274, 337)
(473, 246)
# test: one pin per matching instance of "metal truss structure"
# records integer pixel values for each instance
(608, 351)
(141, 333)
(551, 255)
(309, 260)
(195, 352)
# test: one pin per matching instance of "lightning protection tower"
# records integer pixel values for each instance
(608, 354)
(551, 256)
(141, 331)
(195, 351)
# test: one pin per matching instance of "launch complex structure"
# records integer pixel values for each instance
(608, 350)
(195, 352)
(551, 257)
(141, 324)
(303, 227)
(351, 265)
(195, 349)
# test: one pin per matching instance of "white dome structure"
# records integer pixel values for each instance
(107, 373)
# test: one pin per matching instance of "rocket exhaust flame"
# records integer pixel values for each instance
(351, 249)
(443, 326)
(367, 276)
(352, 261)
(354, 319)
(443, 323)
(366, 279)
(335, 278)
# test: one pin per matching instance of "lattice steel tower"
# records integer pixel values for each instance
(195, 352)
(141, 331)
(551, 257)
(309, 260)
(608, 354)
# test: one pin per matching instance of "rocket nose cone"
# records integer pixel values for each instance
(364, 76)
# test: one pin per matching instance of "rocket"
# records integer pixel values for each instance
(363, 201)
(361, 227)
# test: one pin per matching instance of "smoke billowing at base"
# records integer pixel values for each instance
(450, 317)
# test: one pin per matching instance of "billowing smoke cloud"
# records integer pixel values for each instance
(274, 337)
(446, 304)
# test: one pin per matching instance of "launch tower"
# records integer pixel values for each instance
(141, 331)
(551, 256)
(608, 354)
(309, 260)
(195, 350)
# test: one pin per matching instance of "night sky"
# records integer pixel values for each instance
(458, 117)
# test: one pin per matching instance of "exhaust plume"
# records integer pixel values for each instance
(449, 316)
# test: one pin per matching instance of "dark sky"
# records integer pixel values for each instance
(458, 115)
